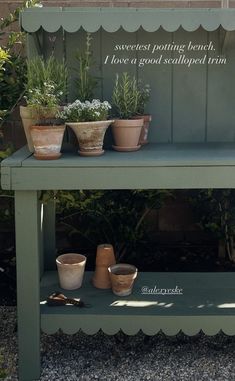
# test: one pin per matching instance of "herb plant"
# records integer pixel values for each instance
(50, 71)
(86, 83)
(86, 111)
(129, 97)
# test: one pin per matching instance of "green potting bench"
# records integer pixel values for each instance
(192, 145)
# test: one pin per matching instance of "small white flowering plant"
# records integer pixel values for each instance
(44, 103)
(86, 111)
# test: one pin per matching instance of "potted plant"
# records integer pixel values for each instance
(47, 134)
(89, 122)
(142, 101)
(40, 72)
(126, 98)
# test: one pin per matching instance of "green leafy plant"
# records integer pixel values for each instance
(116, 217)
(13, 69)
(50, 71)
(46, 87)
(86, 112)
(129, 97)
(44, 103)
(143, 98)
(86, 83)
(215, 212)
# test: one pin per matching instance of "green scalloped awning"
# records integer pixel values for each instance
(130, 19)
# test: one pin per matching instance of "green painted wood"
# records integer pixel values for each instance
(189, 91)
(159, 77)
(221, 85)
(154, 166)
(53, 44)
(109, 41)
(111, 19)
(206, 301)
(27, 222)
(125, 178)
(16, 159)
(49, 244)
(76, 42)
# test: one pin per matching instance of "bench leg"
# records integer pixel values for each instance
(28, 250)
(49, 244)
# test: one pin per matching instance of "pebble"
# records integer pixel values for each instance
(122, 358)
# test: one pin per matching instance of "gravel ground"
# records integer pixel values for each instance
(136, 358)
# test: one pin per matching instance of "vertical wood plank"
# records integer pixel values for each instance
(109, 41)
(159, 77)
(77, 42)
(189, 91)
(53, 44)
(49, 238)
(28, 250)
(221, 92)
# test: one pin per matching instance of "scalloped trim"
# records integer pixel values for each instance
(130, 20)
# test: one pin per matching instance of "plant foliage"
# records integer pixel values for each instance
(86, 83)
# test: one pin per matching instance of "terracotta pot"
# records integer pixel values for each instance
(90, 136)
(122, 278)
(71, 268)
(47, 141)
(145, 129)
(104, 258)
(126, 134)
(28, 120)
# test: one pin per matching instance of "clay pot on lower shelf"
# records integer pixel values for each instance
(145, 128)
(126, 134)
(47, 141)
(90, 136)
(28, 120)
(71, 268)
(104, 258)
(122, 278)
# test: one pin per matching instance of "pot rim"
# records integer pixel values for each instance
(83, 259)
(139, 122)
(124, 266)
(96, 122)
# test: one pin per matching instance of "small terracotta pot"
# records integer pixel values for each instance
(122, 278)
(145, 129)
(126, 134)
(71, 268)
(28, 120)
(47, 141)
(90, 136)
(104, 258)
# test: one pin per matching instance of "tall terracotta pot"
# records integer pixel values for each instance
(104, 258)
(145, 128)
(126, 134)
(90, 136)
(47, 141)
(28, 120)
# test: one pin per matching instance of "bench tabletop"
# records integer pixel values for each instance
(153, 166)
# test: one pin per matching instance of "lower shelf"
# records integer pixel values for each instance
(160, 301)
